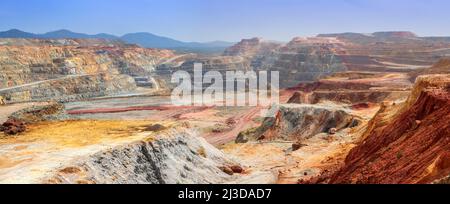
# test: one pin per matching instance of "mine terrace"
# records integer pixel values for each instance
(354, 108)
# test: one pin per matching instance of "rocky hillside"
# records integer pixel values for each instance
(33, 69)
(173, 157)
(441, 67)
(102, 152)
(354, 88)
(307, 59)
(251, 47)
(298, 122)
(147, 40)
(412, 146)
(389, 51)
(304, 59)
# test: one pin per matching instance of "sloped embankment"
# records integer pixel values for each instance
(71, 88)
(441, 67)
(297, 122)
(414, 147)
(102, 151)
(176, 156)
(66, 70)
(354, 88)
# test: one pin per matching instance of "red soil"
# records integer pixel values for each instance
(243, 122)
(413, 148)
(361, 106)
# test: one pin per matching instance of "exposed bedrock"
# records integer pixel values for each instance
(302, 59)
(251, 47)
(390, 51)
(71, 88)
(426, 82)
(354, 88)
(349, 96)
(441, 67)
(173, 157)
(297, 122)
(307, 59)
(220, 64)
(41, 69)
(412, 146)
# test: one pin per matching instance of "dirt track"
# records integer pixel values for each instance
(137, 108)
(243, 122)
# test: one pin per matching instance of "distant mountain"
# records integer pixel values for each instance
(14, 33)
(70, 34)
(151, 40)
(143, 39)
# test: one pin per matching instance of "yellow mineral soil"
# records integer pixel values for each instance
(33, 155)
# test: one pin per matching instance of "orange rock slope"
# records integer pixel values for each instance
(414, 147)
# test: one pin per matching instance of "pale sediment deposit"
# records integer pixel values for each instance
(111, 152)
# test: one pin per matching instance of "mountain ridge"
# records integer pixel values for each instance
(143, 39)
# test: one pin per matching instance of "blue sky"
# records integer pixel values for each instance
(231, 20)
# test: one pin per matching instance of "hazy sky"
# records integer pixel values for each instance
(232, 20)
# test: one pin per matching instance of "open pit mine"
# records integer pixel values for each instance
(354, 109)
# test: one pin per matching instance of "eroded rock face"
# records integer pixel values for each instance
(427, 82)
(354, 88)
(221, 64)
(40, 69)
(251, 47)
(71, 88)
(441, 67)
(297, 122)
(303, 59)
(308, 59)
(176, 157)
(347, 96)
(412, 147)
(373, 52)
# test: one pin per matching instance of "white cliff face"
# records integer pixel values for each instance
(175, 157)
